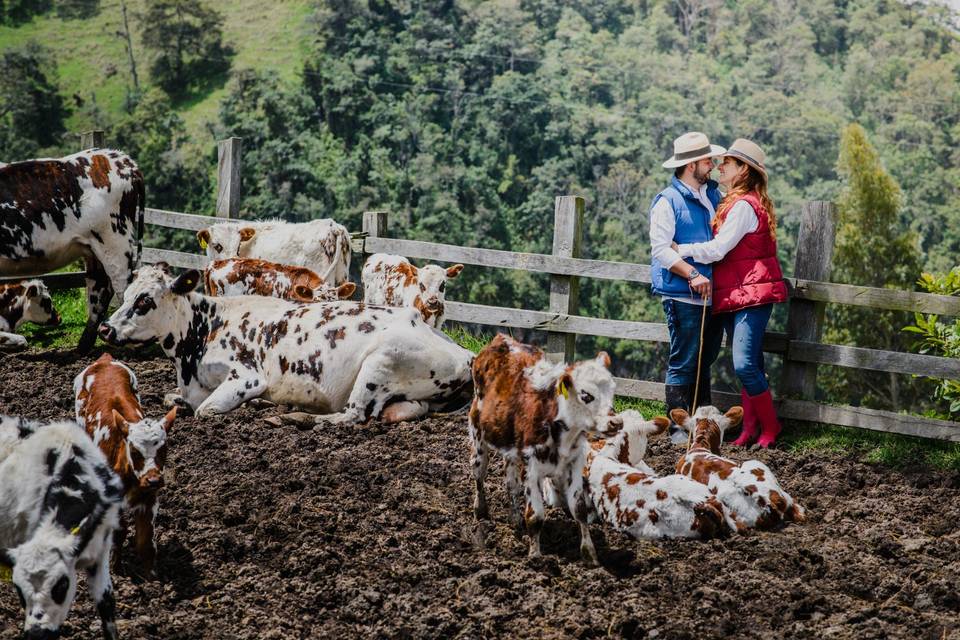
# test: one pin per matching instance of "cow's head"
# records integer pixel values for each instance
(323, 293)
(433, 281)
(224, 240)
(708, 424)
(630, 445)
(38, 305)
(44, 575)
(151, 303)
(585, 396)
(146, 447)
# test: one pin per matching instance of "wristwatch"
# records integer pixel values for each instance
(693, 274)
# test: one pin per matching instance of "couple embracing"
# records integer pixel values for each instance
(715, 267)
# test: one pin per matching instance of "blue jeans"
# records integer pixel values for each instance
(745, 329)
(683, 322)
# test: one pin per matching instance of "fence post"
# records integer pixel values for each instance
(564, 290)
(375, 224)
(228, 177)
(91, 139)
(818, 222)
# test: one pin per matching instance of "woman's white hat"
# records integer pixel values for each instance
(691, 147)
(749, 152)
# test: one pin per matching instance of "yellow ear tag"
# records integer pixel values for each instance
(75, 530)
(203, 243)
(6, 573)
(562, 390)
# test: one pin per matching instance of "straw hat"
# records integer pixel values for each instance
(749, 152)
(691, 147)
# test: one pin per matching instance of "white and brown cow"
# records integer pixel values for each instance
(59, 506)
(89, 206)
(322, 245)
(107, 403)
(343, 357)
(748, 490)
(536, 414)
(250, 276)
(628, 495)
(27, 301)
(392, 281)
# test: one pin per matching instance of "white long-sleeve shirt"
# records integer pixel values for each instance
(741, 220)
(663, 229)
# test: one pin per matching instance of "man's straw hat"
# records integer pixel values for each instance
(749, 152)
(691, 147)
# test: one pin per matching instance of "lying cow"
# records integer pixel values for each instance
(322, 245)
(249, 276)
(59, 506)
(629, 496)
(749, 490)
(392, 281)
(89, 205)
(343, 357)
(27, 301)
(536, 415)
(108, 407)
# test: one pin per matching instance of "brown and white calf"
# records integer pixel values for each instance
(629, 496)
(392, 281)
(749, 490)
(27, 301)
(536, 414)
(250, 276)
(108, 407)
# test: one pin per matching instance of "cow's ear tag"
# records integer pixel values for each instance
(6, 573)
(75, 531)
(562, 390)
(203, 243)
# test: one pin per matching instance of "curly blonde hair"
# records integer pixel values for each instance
(752, 180)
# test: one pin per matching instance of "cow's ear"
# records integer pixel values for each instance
(454, 271)
(33, 291)
(203, 237)
(346, 290)
(303, 292)
(565, 385)
(660, 425)
(121, 423)
(246, 233)
(169, 418)
(680, 417)
(186, 283)
(734, 415)
(603, 359)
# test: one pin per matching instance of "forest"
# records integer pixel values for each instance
(465, 119)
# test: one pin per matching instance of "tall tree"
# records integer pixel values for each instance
(32, 111)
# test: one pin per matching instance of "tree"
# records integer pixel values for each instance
(32, 111)
(15, 12)
(939, 338)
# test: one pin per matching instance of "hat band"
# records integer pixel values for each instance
(741, 154)
(692, 154)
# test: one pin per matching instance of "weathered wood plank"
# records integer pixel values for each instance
(565, 290)
(177, 220)
(374, 223)
(648, 390)
(872, 419)
(91, 139)
(873, 297)
(228, 177)
(874, 359)
(174, 258)
(54, 281)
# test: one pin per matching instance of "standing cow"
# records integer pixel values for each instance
(89, 206)
(322, 245)
(59, 506)
(27, 301)
(343, 357)
(391, 280)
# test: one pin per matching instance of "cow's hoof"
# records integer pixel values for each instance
(335, 418)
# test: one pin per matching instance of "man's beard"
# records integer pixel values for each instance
(701, 177)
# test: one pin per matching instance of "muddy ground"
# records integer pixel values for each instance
(306, 532)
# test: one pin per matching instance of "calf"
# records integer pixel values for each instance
(89, 206)
(392, 281)
(342, 357)
(108, 407)
(59, 506)
(27, 301)
(629, 496)
(249, 276)
(322, 245)
(536, 414)
(749, 490)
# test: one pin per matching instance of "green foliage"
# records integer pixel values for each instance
(18, 11)
(77, 9)
(32, 111)
(939, 338)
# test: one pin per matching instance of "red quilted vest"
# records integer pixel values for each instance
(750, 274)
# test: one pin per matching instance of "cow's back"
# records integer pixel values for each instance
(321, 245)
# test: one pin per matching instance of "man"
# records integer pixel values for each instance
(681, 214)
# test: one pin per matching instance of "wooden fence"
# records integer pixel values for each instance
(800, 346)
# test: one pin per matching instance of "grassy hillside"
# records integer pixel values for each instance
(93, 62)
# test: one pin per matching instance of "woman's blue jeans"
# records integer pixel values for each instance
(745, 329)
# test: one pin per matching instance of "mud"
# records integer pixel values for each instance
(339, 531)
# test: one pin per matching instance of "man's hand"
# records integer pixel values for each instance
(701, 285)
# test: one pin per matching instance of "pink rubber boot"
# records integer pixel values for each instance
(767, 417)
(749, 428)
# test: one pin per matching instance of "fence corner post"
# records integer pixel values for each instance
(565, 290)
(91, 139)
(814, 261)
(228, 177)
(375, 224)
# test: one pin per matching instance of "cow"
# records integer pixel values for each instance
(749, 490)
(536, 414)
(59, 506)
(391, 280)
(27, 301)
(107, 404)
(250, 276)
(322, 245)
(628, 495)
(89, 206)
(343, 358)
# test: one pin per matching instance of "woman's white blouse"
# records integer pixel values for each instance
(741, 220)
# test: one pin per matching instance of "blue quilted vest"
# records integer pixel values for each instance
(693, 225)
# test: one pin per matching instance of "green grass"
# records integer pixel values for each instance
(72, 306)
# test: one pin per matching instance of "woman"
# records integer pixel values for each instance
(747, 280)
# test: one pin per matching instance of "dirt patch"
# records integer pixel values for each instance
(337, 531)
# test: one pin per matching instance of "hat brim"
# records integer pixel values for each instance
(748, 160)
(715, 150)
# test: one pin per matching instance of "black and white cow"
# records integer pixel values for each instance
(344, 358)
(88, 206)
(59, 506)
